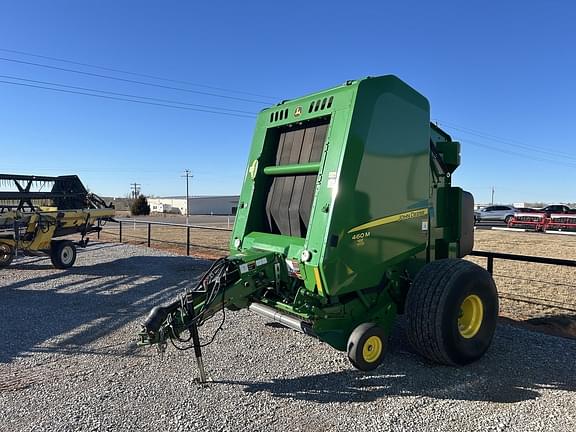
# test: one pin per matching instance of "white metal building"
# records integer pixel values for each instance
(198, 205)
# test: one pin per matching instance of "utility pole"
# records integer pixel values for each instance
(492, 195)
(135, 187)
(188, 176)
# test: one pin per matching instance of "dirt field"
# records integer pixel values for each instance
(204, 243)
(538, 296)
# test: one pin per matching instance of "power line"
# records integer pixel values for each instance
(513, 153)
(252, 116)
(136, 73)
(127, 95)
(167, 105)
(134, 81)
(127, 100)
(119, 171)
(507, 141)
(512, 143)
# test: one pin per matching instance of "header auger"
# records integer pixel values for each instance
(347, 218)
(35, 210)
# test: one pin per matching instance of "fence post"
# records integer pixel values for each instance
(490, 265)
(149, 232)
(98, 232)
(120, 222)
(187, 241)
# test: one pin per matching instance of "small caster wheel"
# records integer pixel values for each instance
(366, 346)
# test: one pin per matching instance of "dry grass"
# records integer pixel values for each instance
(538, 295)
(204, 243)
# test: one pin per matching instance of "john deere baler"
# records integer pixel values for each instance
(347, 217)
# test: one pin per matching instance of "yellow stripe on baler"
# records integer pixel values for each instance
(390, 219)
(318, 281)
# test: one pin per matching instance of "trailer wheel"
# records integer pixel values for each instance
(6, 255)
(366, 346)
(63, 254)
(452, 309)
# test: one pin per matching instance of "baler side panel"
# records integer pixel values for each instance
(251, 212)
(384, 174)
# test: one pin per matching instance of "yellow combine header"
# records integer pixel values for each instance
(38, 214)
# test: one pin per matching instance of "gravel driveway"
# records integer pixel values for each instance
(67, 362)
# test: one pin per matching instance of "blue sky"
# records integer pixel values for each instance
(500, 76)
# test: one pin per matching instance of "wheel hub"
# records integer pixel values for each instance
(471, 316)
(66, 255)
(372, 349)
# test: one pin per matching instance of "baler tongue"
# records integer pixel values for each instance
(224, 284)
(168, 322)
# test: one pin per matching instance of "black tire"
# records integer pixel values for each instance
(366, 346)
(507, 219)
(6, 255)
(63, 254)
(436, 323)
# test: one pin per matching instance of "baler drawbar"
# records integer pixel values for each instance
(348, 217)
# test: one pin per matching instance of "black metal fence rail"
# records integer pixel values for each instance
(149, 238)
(551, 303)
(491, 256)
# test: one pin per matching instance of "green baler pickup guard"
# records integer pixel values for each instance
(347, 217)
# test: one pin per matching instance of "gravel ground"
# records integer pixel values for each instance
(68, 362)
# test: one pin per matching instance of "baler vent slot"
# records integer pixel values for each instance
(320, 104)
(279, 115)
(289, 201)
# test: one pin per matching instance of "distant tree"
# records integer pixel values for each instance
(140, 206)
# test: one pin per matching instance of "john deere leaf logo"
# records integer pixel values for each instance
(298, 111)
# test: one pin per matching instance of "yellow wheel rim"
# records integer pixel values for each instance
(372, 349)
(471, 315)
